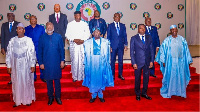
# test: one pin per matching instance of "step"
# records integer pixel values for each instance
(83, 92)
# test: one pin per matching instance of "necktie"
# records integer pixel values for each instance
(97, 23)
(117, 29)
(143, 40)
(149, 30)
(10, 27)
(57, 18)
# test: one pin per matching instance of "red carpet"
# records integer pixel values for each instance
(75, 97)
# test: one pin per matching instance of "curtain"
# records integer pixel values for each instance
(192, 22)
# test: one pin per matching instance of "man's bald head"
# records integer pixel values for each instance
(148, 21)
(57, 8)
(49, 28)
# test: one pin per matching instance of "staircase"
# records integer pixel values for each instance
(75, 90)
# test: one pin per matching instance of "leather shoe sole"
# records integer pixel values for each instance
(50, 101)
(58, 100)
(138, 98)
(121, 77)
(92, 100)
(102, 100)
(10, 82)
(147, 97)
(153, 76)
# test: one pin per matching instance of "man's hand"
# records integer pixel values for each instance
(125, 48)
(81, 42)
(101, 35)
(42, 66)
(110, 49)
(163, 64)
(157, 49)
(9, 70)
(135, 66)
(151, 65)
(32, 69)
(3, 51)
(62, 64)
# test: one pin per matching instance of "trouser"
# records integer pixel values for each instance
(114, 53)
(138, 80)
(50, 89)
(99, 93)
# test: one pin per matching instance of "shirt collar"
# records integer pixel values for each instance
(141, 35)
(11, 22)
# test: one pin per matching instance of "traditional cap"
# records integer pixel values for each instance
(20, 25)
(95, 28)
(77, 12)
(172, 26)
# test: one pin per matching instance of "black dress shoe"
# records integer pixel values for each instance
(92, 100)
(10, 82)
(74, 80)
(28, 104)
(153, 75)
(138, 98)
(50, 101)
(14, 105)
(43, 80)
(58, 100)
(121, 77)
(102, 100)
(147, 97)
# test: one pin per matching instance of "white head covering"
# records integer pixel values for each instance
(20, 25)
(172, 26)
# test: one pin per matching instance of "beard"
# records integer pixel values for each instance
(50, 31)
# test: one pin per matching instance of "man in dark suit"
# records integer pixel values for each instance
(142, 57)
(59, 21)
(152, 30)
(8, 30)
(116, 33)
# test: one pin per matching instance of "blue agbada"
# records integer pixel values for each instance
(99, 23)
(98, 73)
(51, 53)
(35, 34)
(175, 54)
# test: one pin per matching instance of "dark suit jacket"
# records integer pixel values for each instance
(61, 26)
(141, 54)
(6, 35)
(117, 41)
(155, 37)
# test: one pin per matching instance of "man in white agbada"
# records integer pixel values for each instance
(20, 60)
(77, 32)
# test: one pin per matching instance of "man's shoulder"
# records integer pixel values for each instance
(135, 36)
(52, 15)
(5, 23)
(63, 14)
(154, 28)
(57, 35)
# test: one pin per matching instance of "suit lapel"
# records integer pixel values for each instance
(113, 25)
(140, 41)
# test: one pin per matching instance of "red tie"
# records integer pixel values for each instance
(57, 18)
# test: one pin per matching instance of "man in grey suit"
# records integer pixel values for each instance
(59, 21)
(8, 30)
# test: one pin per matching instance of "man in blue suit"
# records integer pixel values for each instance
(142, 58)
(8, 31)
(116, 33)
(99, 23)
(152, 30)
(59, 21)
